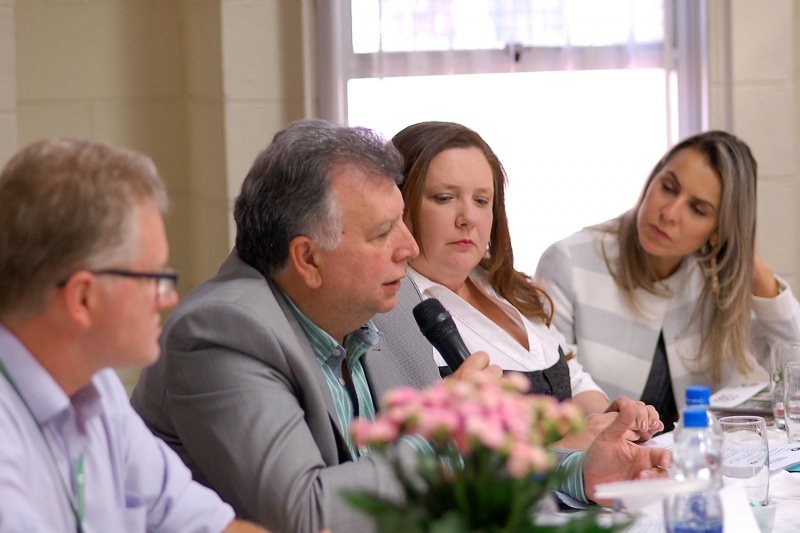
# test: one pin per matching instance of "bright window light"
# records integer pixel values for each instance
(576, 145)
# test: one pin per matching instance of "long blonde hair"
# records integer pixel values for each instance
(725, 315)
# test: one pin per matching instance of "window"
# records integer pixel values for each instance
(579, 98)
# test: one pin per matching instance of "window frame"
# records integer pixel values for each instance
(685, 55)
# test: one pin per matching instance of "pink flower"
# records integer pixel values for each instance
(476, 413)
(523, 460)
(437, 424)
(401, 396)
(483, 431)
(487, 430)
(518, 382)
(378, 432)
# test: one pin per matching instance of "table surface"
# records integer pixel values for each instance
(785, 491)
(787, 516)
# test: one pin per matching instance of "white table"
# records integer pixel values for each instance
(787, 516)
(784, 490)
(784, 487)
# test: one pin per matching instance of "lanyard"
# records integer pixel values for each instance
(78, 502)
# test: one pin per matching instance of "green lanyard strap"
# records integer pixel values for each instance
(78, 503)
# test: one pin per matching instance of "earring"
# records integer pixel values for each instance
(714, 277)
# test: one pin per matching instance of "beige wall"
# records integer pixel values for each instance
(796, 35)
(8, 81)
(765, 114)
(754, 84)
(202, 85)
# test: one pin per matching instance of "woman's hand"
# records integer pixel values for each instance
(646, 423)
(764, 283)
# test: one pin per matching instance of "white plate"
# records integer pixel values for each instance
(639, 493)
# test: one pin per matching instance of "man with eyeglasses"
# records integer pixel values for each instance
(83, 276)
(305, 326)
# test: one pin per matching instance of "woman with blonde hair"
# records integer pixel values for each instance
(673, 292)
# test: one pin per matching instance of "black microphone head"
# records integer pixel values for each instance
(433, 319)
(440, 329)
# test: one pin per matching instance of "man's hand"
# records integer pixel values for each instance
(477, 362)
(612, 457)
(646, 422)
(593, 425)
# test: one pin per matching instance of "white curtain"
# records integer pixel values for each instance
(429, 37)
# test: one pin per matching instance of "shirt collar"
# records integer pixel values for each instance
(479, 276)
(40, 392)
(324, 346)
(423, 283)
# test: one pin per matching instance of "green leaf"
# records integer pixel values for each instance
(369, 503)
(451, 522)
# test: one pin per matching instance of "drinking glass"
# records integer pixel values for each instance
(791, 386)
(745, 455)
(780, 354)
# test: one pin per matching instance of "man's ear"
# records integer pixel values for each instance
(304, 257)
(79, 297)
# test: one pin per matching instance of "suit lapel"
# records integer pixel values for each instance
(307, 366)
(403, 357)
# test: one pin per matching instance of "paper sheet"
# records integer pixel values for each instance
(781, 453)
(736, 395)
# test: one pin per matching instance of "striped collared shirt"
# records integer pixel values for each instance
(330, 355)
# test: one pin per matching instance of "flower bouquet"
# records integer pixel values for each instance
(485, 466)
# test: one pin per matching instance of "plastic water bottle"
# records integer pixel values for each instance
(696, 456)
(700, 396)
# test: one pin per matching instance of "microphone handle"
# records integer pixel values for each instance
(452, 349)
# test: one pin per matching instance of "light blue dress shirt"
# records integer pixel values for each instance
(133, 481)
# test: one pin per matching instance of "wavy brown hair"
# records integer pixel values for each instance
(419, 144)
(726, 316)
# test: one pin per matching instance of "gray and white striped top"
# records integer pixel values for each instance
(616, 343)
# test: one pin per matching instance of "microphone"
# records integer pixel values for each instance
(439, 328)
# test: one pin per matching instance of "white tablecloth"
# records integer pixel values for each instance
(784, 490)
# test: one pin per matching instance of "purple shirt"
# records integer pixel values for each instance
(133, 481)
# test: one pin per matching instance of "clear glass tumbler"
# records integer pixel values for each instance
(781, 353)
(745, 455)
(791, 390)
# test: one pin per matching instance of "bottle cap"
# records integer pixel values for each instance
(695, 417)
(698, 395)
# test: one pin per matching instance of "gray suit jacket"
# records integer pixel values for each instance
(239, 395)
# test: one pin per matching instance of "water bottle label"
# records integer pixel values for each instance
(715, 527)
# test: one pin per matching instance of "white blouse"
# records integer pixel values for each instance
(480, 333)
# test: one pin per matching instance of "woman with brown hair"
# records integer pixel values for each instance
(454, 193)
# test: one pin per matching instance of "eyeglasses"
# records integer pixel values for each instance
(166, 281)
